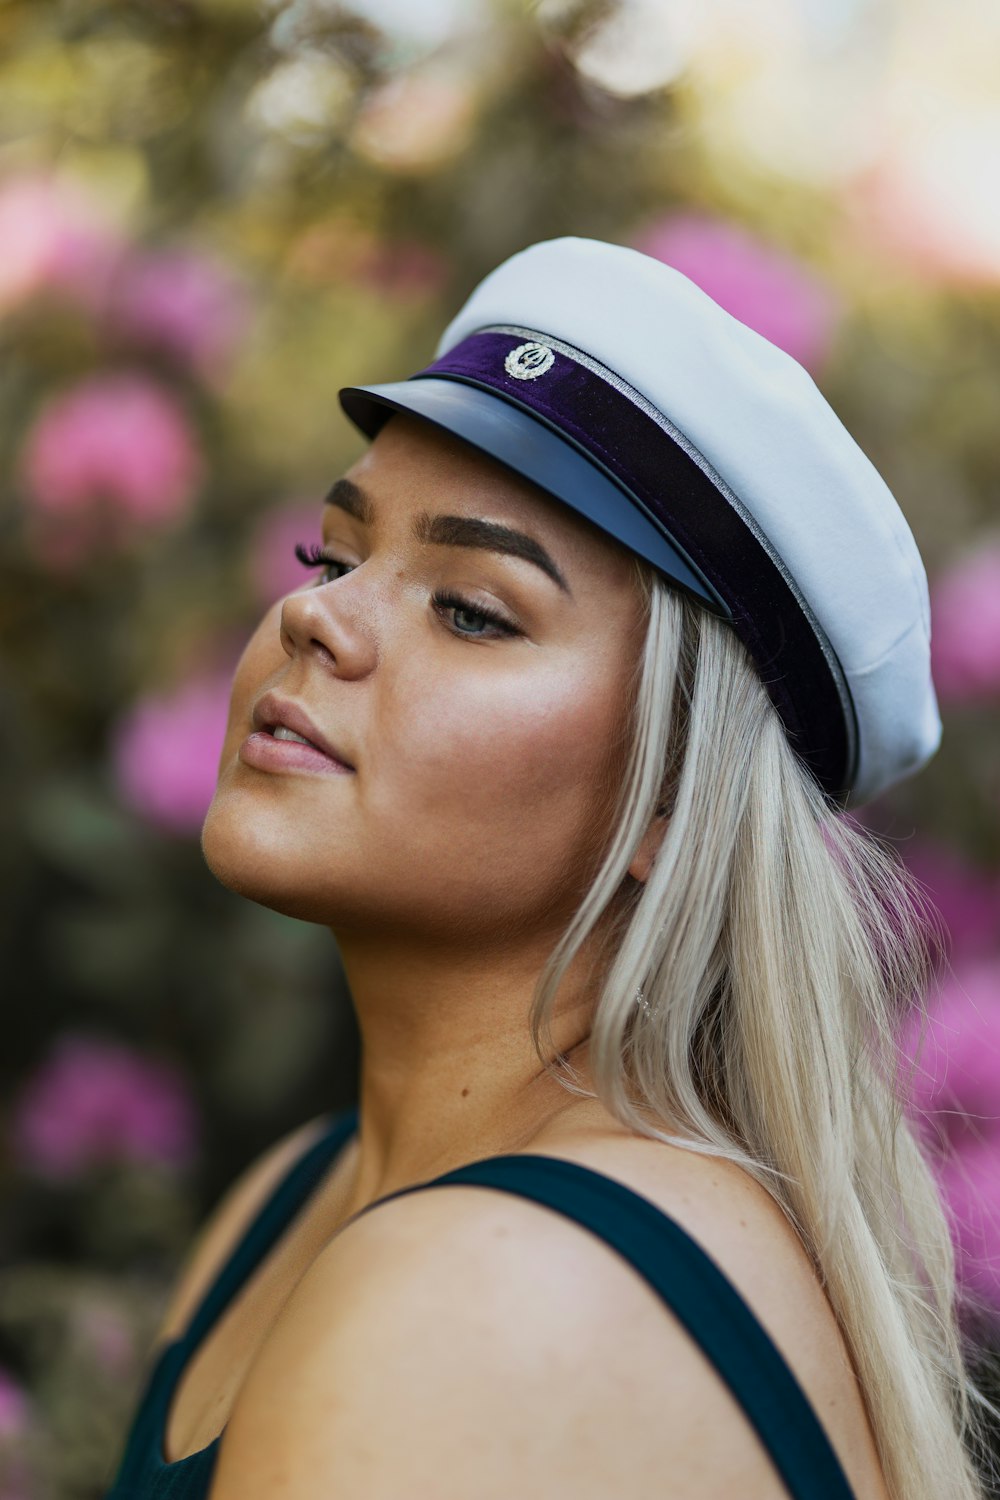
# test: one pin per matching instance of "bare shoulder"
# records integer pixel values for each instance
(460, 1340)
(738, 1223)
(227, 1221)
(743, 1230)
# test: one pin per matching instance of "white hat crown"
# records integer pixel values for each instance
(760, 423)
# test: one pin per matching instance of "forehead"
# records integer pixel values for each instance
(412, 464)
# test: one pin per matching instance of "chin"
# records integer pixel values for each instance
(254, 861)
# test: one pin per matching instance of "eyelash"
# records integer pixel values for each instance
(312, 556)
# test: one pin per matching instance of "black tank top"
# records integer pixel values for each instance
(683, 1275)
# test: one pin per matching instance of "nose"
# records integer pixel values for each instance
(326, 621)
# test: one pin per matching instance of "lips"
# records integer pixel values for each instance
(271, 710)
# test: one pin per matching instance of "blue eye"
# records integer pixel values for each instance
(443, 601)
(458, 615)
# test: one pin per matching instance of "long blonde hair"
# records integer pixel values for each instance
(777, 943)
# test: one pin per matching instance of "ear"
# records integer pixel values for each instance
(642, 859)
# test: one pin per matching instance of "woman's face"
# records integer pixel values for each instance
(482, 754)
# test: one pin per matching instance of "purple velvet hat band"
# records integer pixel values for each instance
(621, 433)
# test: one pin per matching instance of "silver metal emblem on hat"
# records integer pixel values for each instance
(528, 361)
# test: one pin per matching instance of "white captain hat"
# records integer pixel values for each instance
(621, 388)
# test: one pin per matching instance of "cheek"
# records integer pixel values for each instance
(498, 752)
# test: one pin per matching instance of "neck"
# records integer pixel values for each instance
(448, 1070)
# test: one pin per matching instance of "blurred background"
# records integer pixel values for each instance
(213, 213)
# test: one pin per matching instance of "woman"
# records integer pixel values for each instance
(613, 620)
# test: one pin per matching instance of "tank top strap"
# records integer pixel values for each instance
(269, 1223)
(695, 1289)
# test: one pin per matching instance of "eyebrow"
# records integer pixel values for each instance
(453, 531)
(352, 498)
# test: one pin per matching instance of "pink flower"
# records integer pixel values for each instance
(969, 901)
(763, 287)
(965, 635)
(116, 439)
(15, 1408)
(970, 1182)
(55, 236)
(955, 1093)
(184, 302)
(94, 1101)
(959, 1067)
(274, 568)
(165, 752)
